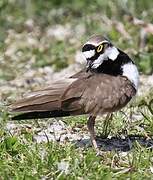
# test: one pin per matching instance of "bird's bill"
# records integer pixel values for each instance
(89, 65)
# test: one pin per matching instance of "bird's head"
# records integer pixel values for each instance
(98, 49)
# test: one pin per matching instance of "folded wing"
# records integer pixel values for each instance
(47, 99)
(91, 93)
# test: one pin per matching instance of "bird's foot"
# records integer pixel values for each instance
(98, 152)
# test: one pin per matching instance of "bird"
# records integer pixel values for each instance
(106, 84)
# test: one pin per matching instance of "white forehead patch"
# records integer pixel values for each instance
(95, 43)
(89, 54)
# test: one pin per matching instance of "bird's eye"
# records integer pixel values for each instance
(100, 47)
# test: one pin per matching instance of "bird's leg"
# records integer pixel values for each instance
(90, 125)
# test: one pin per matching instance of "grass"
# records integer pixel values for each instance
(26, 47)
(23, 158)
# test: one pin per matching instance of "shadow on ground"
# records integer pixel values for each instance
(118, 143)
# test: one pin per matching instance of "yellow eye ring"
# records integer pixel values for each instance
(100, 47)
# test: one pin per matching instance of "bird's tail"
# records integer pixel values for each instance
(47, 103)
(41, 114)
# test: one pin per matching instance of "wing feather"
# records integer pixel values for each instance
(98, 94)
(42, 100)
(88, 93)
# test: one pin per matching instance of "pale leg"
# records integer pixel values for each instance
(90, 125)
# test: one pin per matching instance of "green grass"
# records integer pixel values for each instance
(60, 53)
(23, 158)
(25, 48)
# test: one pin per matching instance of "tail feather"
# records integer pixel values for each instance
(43, 114)
(48, 102)
(48, 106)
(36, 100)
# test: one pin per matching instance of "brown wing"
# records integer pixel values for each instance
(82, 74)
(89, 93)
(46, 102)
(47, 99)
(97, 94)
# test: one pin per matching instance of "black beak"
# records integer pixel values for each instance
(89, 65)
